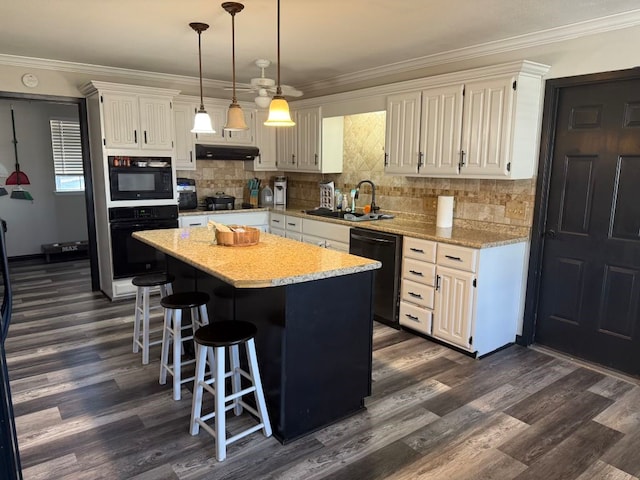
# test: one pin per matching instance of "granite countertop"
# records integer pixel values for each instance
(457, 235)
(274, 261)
(466, 237)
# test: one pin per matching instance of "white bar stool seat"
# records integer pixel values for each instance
(217, 337)
(141, 328)
(173, 336)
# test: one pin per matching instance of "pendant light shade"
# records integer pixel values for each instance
(202, 121)
(279, 115)
(235, 116)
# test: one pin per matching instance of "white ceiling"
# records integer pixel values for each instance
(322, 40)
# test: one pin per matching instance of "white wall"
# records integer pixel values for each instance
(49, 218)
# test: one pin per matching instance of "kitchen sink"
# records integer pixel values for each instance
(353, 217)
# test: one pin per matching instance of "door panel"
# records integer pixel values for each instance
(590, 279)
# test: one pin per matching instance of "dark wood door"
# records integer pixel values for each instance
(590, 278)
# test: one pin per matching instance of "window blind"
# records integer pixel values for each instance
(67, 147)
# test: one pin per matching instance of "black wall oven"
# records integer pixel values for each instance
(130, 257)
(140, 178)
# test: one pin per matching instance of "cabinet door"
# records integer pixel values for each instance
(441, 130)
(155, 122)
(120, 112)
(487, 127)
(286, 142)
(402, 149)
(453, 309)
(309, 134)
(266, 143)
(183, 123)
(243, 137)
(218, 117)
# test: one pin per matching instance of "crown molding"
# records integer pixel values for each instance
(543, 37)
(88, 69)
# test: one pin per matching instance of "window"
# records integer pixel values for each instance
(67, 155)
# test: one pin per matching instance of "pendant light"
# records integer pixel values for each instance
(279, 115)
(235, 117)
(202, 121)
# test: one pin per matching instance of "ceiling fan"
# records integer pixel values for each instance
(266, 87)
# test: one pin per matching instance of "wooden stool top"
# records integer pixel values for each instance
(225, 333)
(184, 300)
(153, 279)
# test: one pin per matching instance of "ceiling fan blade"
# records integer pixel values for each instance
(290, 91)
(241, 89)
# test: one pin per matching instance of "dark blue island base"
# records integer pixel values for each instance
(314, 343)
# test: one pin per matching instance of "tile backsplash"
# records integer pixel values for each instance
(504, 205)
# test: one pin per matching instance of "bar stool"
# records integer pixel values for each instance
(173, 305)
(141, 332)
(217, 337)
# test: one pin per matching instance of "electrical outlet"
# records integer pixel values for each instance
(516, 210)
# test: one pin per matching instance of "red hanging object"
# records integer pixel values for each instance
(17, 177)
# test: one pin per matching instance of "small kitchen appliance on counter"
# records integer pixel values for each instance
(220, 201)
(187, 197)
(280, 192)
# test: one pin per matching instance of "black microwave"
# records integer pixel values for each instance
(140, 178)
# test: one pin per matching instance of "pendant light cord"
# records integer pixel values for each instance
(200, 67)
(233, 56)
(279, 89)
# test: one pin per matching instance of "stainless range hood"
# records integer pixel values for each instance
(225, 152)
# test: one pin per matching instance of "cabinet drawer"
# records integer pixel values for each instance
(419, 249)
(453, 256)
(417, 293)
(276, 220)
(293, 224)
(416, 318)
(330, 231)
(293, 235)
(417, 271)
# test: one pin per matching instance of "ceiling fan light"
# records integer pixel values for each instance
(235, 119)
(202, 123)
(262, 101)
(279, 115)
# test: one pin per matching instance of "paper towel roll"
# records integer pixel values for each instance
(444, 216)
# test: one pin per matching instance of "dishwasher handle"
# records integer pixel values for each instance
(375, 241)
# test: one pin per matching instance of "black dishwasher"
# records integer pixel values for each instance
(387, 249)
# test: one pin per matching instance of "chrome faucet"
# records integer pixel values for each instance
(374, 207)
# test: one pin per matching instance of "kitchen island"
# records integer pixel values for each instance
(313, 309)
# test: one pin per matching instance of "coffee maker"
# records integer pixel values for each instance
(280, 192)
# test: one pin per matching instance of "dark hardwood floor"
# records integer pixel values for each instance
(87, 408)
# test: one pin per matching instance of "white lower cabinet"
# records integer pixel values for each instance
(470, 298)
(258, 220)
(417, 288)
(325, 234)
(192, 221)
(452, 319)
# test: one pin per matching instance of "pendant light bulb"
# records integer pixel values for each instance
(279, 115)
(202, 120)
(235, 116)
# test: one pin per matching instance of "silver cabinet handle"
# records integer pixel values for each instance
(415, 295)
(437, 282)
(420, 274)
(411, 317)
(417, 250)
(462, 158)
(451, 257)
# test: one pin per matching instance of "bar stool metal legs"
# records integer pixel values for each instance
(173, 335)
(141, 327)
(218, 337)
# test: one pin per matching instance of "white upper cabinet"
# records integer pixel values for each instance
(183, 115)
(309, 132)
(315, 144)
(441, 123)
(218, 114)
(266, 143)
(402, 152)
(483, 126)
(486, 137)
(137, 121)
